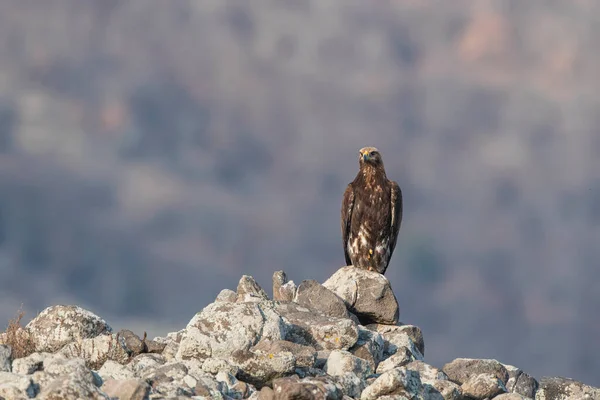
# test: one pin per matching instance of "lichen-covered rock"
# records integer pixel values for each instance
(113, 370)
(169, 381)
(283, 290)
(398, 381)
(305, 356)
(249, 290)
(95, 351)
(216, 365)
(399, 359)
(341, 362)
(483, 386)
(511, 396)
(427, 373)
(233, 387)
(394, 337)
(367, 294)
(130, 342)
(311, 328)
(222, 328)
(369, 346)
(171, 371)
(558, 388)
(194, 345)
(226, 296)
(260, 368)
(351, 384)
(16, 385)
(68, 379)
(127, 389)
(5, 358)
(308, 388)
(313, 295)
(447, 389)
(60, 325)
(28, 365)
(520, 382)
(461, 370)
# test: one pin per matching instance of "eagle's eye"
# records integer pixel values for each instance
(373, 154)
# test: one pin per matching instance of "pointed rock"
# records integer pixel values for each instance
(283, 290)
(249, 290)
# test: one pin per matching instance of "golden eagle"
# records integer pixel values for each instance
(371, 214)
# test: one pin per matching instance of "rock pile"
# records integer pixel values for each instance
(339, 340)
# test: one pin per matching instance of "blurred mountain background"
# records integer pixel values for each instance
(152, 152)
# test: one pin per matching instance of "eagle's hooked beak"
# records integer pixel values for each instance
(365, 156)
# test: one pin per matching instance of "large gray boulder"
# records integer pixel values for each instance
(483, 386)
(341, 362)
(461, 370)
(520, 382)
(559, 388)
(398, 381)
(312, 294)
(222, 328)
(67, 379)
(60, 325)
(367, 294)
(394, 336)
(311, 328)
(259, 367)
(308, 388)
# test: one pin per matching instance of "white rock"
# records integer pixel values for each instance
(59, 325)
(341, 362)
(113, 370)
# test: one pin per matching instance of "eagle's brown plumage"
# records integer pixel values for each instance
(371, 214)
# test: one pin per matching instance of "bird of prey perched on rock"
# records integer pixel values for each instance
(371, 214)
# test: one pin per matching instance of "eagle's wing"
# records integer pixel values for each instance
(396, 200)
(347, 206)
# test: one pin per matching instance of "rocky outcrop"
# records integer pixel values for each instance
(339, 340)
(367, 294)
(557, 388)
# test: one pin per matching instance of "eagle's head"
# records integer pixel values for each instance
(369, 156)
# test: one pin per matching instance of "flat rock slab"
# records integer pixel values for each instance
(461, 370)
(311, 328)
(312, 294)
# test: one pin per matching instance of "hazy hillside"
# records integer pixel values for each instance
(152, 151)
